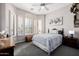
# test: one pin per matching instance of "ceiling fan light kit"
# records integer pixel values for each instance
(42, 6)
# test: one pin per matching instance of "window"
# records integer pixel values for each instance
(20, 28)
(28, 25)
(25, 24)
(38, 26)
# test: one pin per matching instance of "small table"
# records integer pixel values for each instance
(28, 38)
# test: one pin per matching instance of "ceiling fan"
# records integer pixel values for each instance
(42, 6)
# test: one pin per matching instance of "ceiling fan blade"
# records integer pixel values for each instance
(36, 4)
(39, 4)
(48, 4)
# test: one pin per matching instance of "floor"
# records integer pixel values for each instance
(28, 49)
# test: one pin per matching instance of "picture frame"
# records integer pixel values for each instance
(76, 20)
(56, 21)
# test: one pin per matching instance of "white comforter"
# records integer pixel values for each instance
(51, 41)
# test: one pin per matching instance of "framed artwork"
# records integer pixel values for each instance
(56, 21)
(76, 20)
(75, 9)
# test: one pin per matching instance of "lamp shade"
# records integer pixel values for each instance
(71, 32)
(3, 32)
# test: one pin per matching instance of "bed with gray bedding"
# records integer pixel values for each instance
(47, 42)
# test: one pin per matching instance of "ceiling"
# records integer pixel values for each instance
(34, 7)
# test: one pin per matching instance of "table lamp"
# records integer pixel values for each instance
(71, 32)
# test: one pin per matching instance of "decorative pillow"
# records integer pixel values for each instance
(54, 31)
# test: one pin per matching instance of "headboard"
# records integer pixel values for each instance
(61, 31)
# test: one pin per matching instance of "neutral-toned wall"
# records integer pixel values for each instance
(2, 16)
(41, 17)
(68, 20)
(9, 11)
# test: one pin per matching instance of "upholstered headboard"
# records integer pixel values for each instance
(60, 31)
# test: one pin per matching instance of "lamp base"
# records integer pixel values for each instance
(71, 35)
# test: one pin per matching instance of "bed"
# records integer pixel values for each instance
(48, 41)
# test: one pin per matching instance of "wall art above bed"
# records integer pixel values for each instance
(56, 21)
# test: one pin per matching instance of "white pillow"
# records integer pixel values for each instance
(54, 31)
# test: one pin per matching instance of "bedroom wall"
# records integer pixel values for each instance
(2, 16)
(68, 20)
(40, 17)
(9, 11)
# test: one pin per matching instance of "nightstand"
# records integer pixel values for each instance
(28, 38)
(72, 42)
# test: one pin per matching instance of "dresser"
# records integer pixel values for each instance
(72, 42)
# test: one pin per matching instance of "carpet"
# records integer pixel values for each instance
(32, 50)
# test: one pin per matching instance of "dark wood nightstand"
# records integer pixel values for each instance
(72, 42)
(28, 38)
